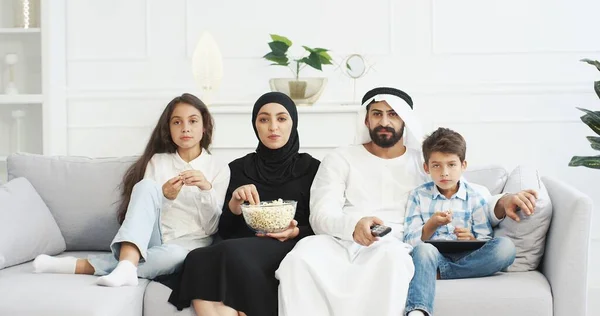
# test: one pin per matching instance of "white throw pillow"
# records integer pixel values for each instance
(528, 235)
(27, 228)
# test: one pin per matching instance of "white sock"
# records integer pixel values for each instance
(47, 264)
(416, 313)
(123, 275)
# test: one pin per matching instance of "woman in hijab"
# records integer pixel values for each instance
(237, 275)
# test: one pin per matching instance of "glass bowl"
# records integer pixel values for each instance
(269, 217)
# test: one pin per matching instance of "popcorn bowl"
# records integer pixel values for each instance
(269, 217)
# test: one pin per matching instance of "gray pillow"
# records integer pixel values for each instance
(528, 235)
(81, 193)
(27, 228)
(492, 177)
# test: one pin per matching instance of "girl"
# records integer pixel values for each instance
(172, 198)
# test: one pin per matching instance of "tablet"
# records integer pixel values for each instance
(453, 246)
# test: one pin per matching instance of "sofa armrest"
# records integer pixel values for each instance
(567, 247)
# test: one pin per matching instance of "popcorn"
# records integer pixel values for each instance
(269, 217)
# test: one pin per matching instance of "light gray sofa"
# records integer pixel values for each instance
(81, 194)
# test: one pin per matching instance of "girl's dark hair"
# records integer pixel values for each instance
(161, 142)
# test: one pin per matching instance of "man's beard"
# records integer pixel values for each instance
(383, 140)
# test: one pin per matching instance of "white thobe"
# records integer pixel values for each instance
(329, 274)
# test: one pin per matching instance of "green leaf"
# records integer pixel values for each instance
(596, 146)
(592, 62)
(278, 60)
(325, 58)
(348, 66)
(597, 88)
(312, 60)
(590, 162)
(279, 48)
(279, 38)
(595, 126)
(310, 50)
(594, 115)
(594, 140)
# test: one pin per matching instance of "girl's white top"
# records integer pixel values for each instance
(194, 214)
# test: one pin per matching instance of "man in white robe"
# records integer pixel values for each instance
(344, 269)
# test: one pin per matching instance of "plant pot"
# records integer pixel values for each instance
(304, 91)
(297, 89)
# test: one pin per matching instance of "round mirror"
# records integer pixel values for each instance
(355, 66)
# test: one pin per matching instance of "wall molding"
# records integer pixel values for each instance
(92, 58)
(435, 52)
(428, 90)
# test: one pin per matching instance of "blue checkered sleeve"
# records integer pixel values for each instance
(413, 224)
(481, 227)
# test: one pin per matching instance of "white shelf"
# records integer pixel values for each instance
(21, 99)
(16, 30)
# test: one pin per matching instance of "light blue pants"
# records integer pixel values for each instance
(496, 255)
(142, 228)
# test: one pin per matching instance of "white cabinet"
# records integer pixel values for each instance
(21, 92)
(321, 128)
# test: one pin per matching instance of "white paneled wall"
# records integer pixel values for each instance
(505, 74)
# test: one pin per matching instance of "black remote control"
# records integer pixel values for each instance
(380, 230)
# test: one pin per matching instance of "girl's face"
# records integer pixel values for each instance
(274, 125)
(186, 126)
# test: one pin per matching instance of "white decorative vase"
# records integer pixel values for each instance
(304, 91)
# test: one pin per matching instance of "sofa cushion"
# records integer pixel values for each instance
(514, 294)
(156, 304)
(528, 235)
(27, 227)
(492, 177)
(26, 293)
(82, 194)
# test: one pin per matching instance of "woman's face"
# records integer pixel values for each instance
(274, 125)
(186, 126)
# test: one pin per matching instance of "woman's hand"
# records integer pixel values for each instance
(172, 187)
(244, 193)
(195, 178)
(290, 233)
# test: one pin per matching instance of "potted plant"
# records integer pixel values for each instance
(305, 90)
(591, 119)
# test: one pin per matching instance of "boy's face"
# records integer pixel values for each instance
(445, 169)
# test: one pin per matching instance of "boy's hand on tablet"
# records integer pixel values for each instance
(463, 234)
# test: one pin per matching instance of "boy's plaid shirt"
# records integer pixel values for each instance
(466, 205)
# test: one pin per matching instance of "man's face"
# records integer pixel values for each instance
(385, 126)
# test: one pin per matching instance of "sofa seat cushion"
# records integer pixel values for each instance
(26, 293)
(156, 304)
(513, 293)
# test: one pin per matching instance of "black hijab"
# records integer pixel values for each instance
(277, 166)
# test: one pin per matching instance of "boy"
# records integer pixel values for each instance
(448, 208)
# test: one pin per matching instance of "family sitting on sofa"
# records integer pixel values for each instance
(180, 213)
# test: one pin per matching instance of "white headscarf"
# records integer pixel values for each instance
(413, 134)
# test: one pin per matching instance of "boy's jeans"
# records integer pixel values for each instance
(495, 255)
(142, 228)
